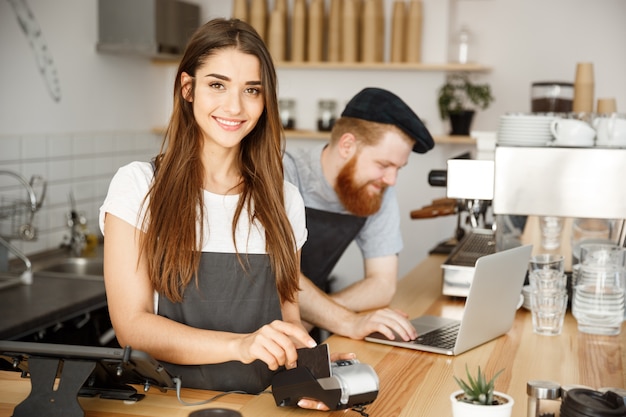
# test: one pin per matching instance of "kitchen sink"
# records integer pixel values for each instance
(9, 280)
(85, 268)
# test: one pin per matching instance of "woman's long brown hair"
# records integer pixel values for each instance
(172, 239)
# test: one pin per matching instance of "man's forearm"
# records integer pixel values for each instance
(376, 289)
(317, 308)
(366, 294)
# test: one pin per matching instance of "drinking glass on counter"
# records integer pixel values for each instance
(545, 262)
(548, 293)
(548, 311)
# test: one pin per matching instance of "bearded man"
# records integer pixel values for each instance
(347, 187)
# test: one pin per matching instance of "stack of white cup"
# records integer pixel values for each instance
(548, 293)
(599, 286)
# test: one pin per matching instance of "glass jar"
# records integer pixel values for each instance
(463, 46)
(551, 97)
(287, 109)
(326, 115)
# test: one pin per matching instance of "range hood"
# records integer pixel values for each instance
(150, 28)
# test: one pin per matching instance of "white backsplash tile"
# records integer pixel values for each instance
(59, 146)
(83, 167)
(9, 148)
(83, 144)
(8, 181)
(58, 194)
(34, 168)
(34, 147)
(79, 163)
(59, 170)
(104, 144)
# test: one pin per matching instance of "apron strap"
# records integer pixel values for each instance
(329, 236)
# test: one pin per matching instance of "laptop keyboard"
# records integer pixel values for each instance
(444, 337)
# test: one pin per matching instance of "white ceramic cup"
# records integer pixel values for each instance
(572, 132)
(611, 130)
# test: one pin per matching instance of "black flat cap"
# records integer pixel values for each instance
(382, 106)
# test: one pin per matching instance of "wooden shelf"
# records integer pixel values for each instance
(384, 66)
(455, 140)
(367, 66)
(315, 135)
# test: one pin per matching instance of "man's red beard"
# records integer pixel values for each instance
(355, 197)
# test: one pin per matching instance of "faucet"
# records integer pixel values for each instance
(76, 222)
(5, 246)
(77, 239)
(20, 213)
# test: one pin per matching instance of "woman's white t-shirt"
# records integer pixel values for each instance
(130, 185)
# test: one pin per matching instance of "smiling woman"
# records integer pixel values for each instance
(226, 107)
(202, 245)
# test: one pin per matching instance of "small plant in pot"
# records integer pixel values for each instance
(478, 398)
(458, 100)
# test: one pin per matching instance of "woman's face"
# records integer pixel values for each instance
(228, 99)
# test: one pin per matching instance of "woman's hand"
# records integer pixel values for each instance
(313, 404)
(275, 344)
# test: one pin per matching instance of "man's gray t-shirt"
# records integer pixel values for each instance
(380, 236)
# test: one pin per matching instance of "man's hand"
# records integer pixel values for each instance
(319, 309)
(392, 323)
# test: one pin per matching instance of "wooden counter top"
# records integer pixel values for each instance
(411, 383)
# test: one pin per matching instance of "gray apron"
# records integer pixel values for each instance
(329, 236)
(232, 300)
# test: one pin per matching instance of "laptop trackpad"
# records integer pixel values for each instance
(425, 324)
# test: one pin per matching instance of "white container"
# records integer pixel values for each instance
(463, 409)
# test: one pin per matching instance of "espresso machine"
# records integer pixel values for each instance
(523, 181)
(469, 184)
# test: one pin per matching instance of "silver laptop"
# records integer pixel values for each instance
(489, 309)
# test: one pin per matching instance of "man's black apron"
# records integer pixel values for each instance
(329, 236)
(232, 300)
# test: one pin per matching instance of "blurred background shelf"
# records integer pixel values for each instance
(312, 134)
(316, 135)
(385, 66)
(373, 66)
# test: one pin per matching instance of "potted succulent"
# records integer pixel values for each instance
(478, 398)
(458, 100)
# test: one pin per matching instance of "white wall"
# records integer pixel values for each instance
(98, 92)
(105, 96)
(538, 40)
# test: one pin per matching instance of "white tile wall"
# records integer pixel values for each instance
(78, 163)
